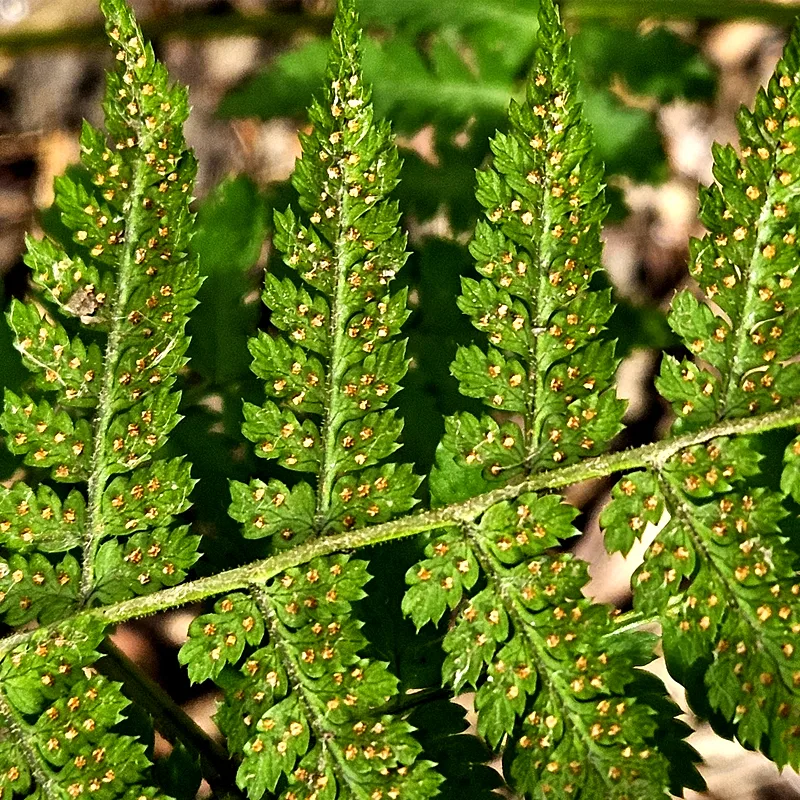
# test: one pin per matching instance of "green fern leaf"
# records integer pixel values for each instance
(460, 757)
(105, 360)
(720, 574)
(304, 708)
(555, 682)
(40, 520)
(539, 250)
(221, 636)
(790, 479)
(554, 679)
(338, 361)
(58, 721)
(30, 427)
(308, 710)
(723, 581)
(34, 588)
(635, 502)
(104, 347)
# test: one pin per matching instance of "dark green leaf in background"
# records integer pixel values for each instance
(232, 225)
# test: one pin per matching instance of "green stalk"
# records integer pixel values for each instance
(105, 410)
(336, 365)
(653, 456)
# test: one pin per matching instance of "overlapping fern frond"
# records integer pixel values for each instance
(539, 302)
(105, 340)
(60, 722)
(556, 683)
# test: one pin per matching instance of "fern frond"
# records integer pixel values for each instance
(721, 574)
(442, 728)
(105, 351)
(724, 583)
(338, 361)
(556, 682)
(304, 707)
(308, 710)
(555, 679)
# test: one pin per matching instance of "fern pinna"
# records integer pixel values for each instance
(305, 709)
(104, 340)
(556, 683)
(721, 574)
(126, 278)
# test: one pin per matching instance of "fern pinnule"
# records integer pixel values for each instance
(303, 706)
(720, 573)
(790, 478)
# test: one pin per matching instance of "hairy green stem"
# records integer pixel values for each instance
(336, 364)
(282, 26)
(170, 720)
(105, 410)
(536, 397)
(651, 455)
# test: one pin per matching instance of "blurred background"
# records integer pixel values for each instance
(661, 81)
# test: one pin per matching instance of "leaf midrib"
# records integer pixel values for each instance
(100, 472)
